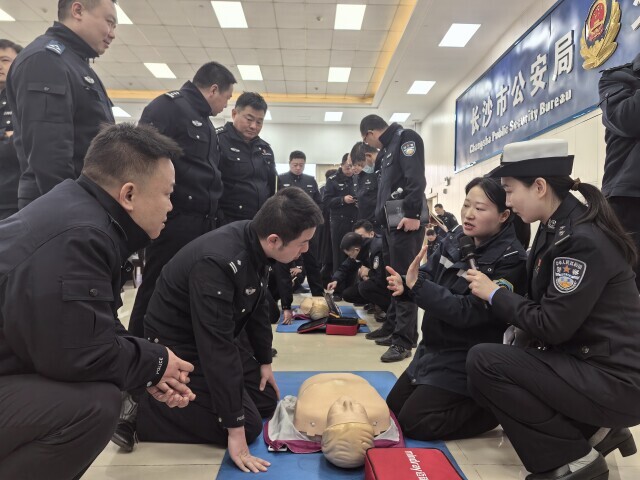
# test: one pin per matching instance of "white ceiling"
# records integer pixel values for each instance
(294, 43)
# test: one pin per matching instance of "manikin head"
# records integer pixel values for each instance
(348, 434)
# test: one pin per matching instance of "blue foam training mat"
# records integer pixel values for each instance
(347, 311)
(313, 466)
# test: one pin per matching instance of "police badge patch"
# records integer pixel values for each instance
(568, 273)
(408, 148)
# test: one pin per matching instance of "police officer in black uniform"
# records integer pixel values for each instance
(619, 100)
(567, 403)
(211, 291)
(246, 161)
(401, 166)
(58, 101)
(296, 178)
(340, 199)
(64, 355)
(9, 164)
(184, 116)
(367, 190)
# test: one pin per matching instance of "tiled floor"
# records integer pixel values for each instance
(489, 457)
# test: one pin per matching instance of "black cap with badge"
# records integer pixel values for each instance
(535, 158)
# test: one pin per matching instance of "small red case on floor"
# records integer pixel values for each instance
(342, 326)
(408, 464)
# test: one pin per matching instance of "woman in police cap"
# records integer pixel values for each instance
(567, 402)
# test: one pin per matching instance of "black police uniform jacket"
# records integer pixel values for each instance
(367, 193)
(305, 182)
(401, 165)
(248, 173)
(619, 89)
(583, 306)
(454, 319)
(9, 164)
(370, 256)
(58, 105)
(60, 269)
(337, 187)
(183, 115)
(205, 296)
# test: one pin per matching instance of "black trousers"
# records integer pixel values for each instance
(351, 294)
(312, 266)
(429, 413)
(547, 421)
(180, 229)
(51, 429)
(627, 210)
(198, 422)
(340, 226)
(375, 293)
(399, 250)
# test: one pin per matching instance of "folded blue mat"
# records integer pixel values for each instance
(313, 466)
(347, 311)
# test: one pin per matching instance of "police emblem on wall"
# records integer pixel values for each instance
(597, 42)
(568, 273)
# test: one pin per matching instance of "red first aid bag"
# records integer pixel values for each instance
(408, 464)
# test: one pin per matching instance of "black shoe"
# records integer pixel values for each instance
(301, 290)
(596, 470)
(358, 304)
(369, 308)
(274, 352)
(379, 333)
(386, 342)
(125, 435)
(617, 438)
(337, 298)
(395, 354)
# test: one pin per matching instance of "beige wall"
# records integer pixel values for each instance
(585, 134)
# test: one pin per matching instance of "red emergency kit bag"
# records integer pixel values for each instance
(408, 464)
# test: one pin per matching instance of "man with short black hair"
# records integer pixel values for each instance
(58, 101)
(401, 166)
(64, 355)
(9, 163)
(212, 291)
(246, 160)
(184, 116)
(448, 219)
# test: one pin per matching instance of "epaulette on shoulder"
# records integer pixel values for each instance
(220, 129)
(55, 46)
(332, 177)
(616, 68)
(174, 94)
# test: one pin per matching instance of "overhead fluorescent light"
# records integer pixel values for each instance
(5, 17)
(421, 87)
(230, 14)
(123, 18)
(267, 116)
(399, 117)
(459, 34)
(119, 113)
(339, 74)
(250, 72)
(349, 17)
(332, 116)
(160, 70)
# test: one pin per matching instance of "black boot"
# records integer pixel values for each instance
(125, 435)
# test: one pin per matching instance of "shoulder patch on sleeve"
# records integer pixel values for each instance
(568, 273)
(173, 94)
(504, 283)
(408, 148)
(55, 46)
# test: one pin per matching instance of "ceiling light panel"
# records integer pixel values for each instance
(339, 74)
(349, 17)
(230, 14)
(399, 117)
(332, 116)
(250, 72)
(160, 70)
(5, 17)
(421, 87)
(459, 34)
(123, 18)
(119, 113)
